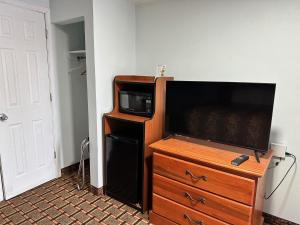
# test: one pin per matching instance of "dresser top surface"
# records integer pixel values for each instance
(214, 154)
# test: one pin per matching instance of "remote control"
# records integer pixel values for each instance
(239, 160)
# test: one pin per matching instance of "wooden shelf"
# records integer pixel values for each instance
(150, 129)
(129, 117)
(214, 154)
(135, 79)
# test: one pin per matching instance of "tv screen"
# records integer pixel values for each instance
(238, 114)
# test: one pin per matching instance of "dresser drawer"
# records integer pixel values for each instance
(231, 186)
(159, 220)
(181, 214)
(211, 204)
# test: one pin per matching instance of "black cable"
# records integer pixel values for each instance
(295, 159)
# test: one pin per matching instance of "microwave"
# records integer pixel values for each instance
(138, 103)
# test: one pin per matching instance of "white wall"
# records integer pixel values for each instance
(63, 12)
(110, 44)
(72, 90)
(233, 40)
(41, 3)
(114, 41)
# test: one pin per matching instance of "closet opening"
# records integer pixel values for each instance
(72, 90)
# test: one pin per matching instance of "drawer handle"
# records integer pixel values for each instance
(187, 172)
(198, 222)
(189, 196)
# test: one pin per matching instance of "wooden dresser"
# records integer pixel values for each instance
(195, 183)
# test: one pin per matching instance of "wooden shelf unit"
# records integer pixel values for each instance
(186, 170)
(152, 126)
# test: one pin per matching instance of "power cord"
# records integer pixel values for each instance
(287, 172)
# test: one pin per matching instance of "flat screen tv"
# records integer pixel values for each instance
(238, 114)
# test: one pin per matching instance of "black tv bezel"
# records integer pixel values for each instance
(168, 133)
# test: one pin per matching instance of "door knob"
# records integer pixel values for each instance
(3, 117)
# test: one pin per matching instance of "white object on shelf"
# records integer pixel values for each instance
(77, 52)
(160, 70)
(279, 150)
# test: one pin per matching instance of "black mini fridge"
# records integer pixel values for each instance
(123, 172)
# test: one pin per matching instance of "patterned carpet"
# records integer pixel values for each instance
(59, 202)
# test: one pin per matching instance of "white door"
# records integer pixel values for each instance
(1, 190)
(26, 137)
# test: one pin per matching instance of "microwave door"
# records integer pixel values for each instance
(138, 104)
(125, 101)
(141, 105)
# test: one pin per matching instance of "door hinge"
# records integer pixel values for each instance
(50, 97)
(46, 33)
(54, 154)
